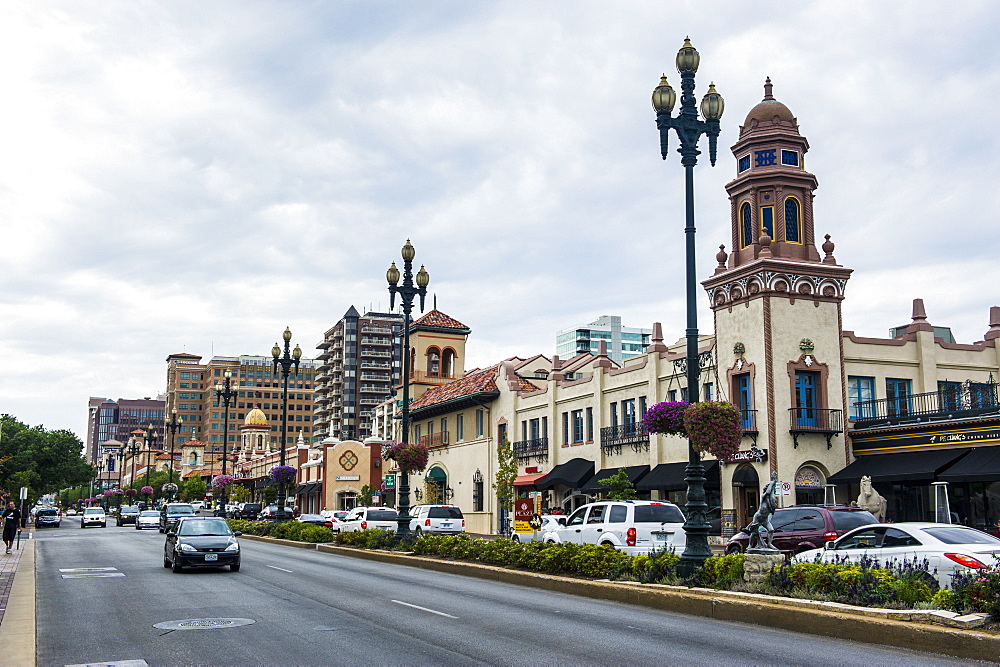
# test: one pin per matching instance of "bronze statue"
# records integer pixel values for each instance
(760, 529)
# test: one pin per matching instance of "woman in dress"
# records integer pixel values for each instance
(11, 522)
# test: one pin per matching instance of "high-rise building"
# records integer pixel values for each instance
(623, 342)
(191, 391)
(359, 364)
(115, 420)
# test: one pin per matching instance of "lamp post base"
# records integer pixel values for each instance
(696, 526)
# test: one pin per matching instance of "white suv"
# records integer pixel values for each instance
(436, 520)
(93, 516)
(633, 526)
(365, 518)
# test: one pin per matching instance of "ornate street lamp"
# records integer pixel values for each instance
(286, 361)
(173, 426)
(689, 129)
(406, 292)
(150, 437)
(227, 390)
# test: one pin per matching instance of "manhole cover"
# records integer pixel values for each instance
(204, 623)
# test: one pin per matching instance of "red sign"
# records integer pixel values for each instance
(531, 470)
(523, 509)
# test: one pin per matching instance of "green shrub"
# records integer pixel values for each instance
(720, 571)
(978, 591)
(315, 534)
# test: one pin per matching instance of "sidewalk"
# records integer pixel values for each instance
(17, 604)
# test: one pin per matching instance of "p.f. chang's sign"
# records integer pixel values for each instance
(755, 455)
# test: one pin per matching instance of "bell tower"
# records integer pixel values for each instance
(777, 308)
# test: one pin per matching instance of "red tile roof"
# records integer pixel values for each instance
(475, 382)
(439, 320)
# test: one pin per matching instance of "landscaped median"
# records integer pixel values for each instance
(605, 573)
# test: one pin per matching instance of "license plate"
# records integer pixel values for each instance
(663, 537)
(211, 557)
(446, 525)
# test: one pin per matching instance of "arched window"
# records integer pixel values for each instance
(746, 221)
(448, 363)
(793, 230)
(433, 362)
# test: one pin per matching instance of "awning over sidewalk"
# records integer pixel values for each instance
(670, 477)
(305, 488)
(902, 467)
(981, 465)
(634, 473)
(528, 480)
(573, 474)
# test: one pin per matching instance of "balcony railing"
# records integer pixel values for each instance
(432, 377)
(534, 448)
(815, 420)
(375, 341)
(633, 434)
(438, 439)
(969, 399)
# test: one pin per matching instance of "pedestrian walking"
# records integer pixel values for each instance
(11, 523)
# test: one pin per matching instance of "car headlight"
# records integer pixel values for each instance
(184, 546)
(235, 546)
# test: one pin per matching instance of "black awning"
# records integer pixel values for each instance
(573, 474)
(261, 483)
(746, 476)
(670, 477)
(981, 465)
(634, 473)
(302, 488)
(902, 467)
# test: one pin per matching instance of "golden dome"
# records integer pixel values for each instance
(255, 417)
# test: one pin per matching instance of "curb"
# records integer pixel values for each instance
(17, 632)
(906, 629)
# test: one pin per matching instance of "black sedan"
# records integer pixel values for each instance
(201, 542)
(127, 515)
(316, 519)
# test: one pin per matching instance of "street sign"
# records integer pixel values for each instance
(390, 482)
(786, 488)
(524, 508)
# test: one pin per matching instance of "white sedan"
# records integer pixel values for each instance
(948, 548)
(147, 519)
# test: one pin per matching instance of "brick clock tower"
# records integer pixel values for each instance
(777, 311)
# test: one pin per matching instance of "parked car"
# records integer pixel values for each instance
(47, 516)
(201, 541)
(364, 518)
(147, 519)
(633, 526)
(93, 516)
(71, 512)
(948, 548)
(269, 512)
(171, 512)
(248, 511)
(803, 527)
(335, 514)
(436, 520)
(198, 505)
(544, 522)
(126, 515)
(318, 520)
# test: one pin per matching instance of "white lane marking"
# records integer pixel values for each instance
(275, 567)
(430, 611)
(92, 575)
(88, 569)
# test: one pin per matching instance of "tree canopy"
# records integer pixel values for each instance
(44, 461)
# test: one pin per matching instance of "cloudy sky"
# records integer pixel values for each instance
(194, 176)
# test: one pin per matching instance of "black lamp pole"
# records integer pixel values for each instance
(227, 390)
(406, 292)
(133, 449)
(120, 455)
(286, 361)
(150, 437)
(689, 129)
(173, 426)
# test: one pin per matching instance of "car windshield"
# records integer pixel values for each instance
(444, 513)
(149, 513)
(46, 512)
(312, 517)
(382, 515)
(206, 527)
(658, 514)
(180, 510)
(850, 520)
(961, 535)
(93, 510)
(129, 510)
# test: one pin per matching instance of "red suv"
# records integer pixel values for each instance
(802, 527)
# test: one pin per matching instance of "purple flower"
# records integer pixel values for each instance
(666, 418)
(107, 494)
(169, 487)
(409, 457)
(130, 492)
(283, 474)
(714, 427)
(222, 481)
(148, 490)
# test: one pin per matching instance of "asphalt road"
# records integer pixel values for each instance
(310, 608)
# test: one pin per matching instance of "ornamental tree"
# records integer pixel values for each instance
(620, 487)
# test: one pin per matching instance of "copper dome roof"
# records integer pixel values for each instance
(769, 110)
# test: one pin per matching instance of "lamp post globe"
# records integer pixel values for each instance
(287, 360)
(406, 292)
(689, 129)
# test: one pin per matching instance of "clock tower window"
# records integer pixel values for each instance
(746, 220)
(767, 220)
(793, 232)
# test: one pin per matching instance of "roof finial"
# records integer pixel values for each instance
(767, 89)
(435, 301)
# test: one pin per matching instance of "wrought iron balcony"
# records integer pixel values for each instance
(438, 439)
(969, 399)
(534, 448)
(824, 421)
(633, 434)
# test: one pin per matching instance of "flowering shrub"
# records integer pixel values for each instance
(666, 418)
(977, 591)
(147, 490)
(283, 474)
(222, 481)
(169, 487)
(409, 457)
(864, 583)
(131, 492)
(714, 427)
(118, 492)
(107, 494)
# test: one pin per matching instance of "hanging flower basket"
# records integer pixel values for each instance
(666, 418)
(169, 487)
(714, 427)
(131, 492)
(222, 481)
(107, 494)
(118, 492)
(410, 457)
(147, 490)
(283, 474)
